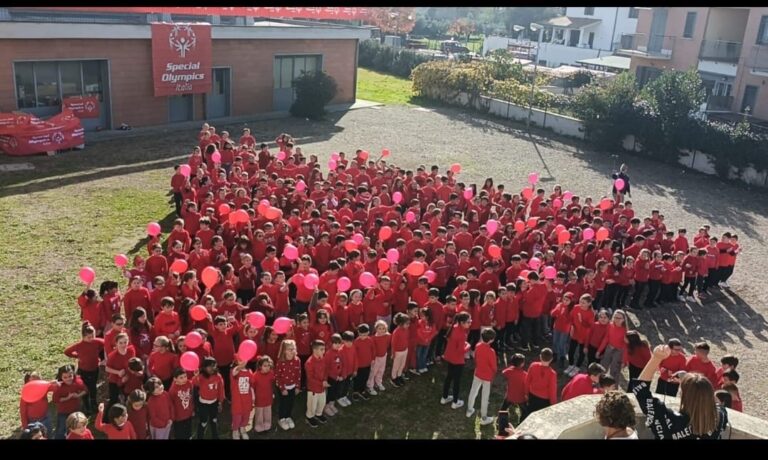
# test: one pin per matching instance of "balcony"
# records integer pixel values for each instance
(757, 60)
(647, 46)
(721, 51)
(719, 103)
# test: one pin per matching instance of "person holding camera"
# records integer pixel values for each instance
(699, 416)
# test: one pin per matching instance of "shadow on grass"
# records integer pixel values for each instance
(151, 151)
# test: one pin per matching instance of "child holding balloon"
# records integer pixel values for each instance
(34, 401)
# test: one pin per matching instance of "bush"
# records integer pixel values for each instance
(314, 90)
(384, 58)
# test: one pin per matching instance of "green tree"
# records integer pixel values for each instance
(607, 108)
(314, 90)
(463, 26)
(524, 16)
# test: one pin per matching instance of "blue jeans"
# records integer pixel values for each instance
(61, 426)
(560, 343)
(421, 356)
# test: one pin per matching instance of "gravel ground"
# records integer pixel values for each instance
(733, 322)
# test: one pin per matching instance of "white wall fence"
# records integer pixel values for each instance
(575, 128)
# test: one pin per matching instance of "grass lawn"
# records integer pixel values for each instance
(381, 87)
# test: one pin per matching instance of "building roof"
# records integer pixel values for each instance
(565, 71)
(572, 23)
(614, 62)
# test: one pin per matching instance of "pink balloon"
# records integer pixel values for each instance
(335, 156)
(311, 281)
(397, 197)
(367, 279)
(121, 260)
(467, 193)
(534, 263)
(455, 168)
(430, 275)
(190, 361)
(153, 229)
(550, 273)
(282, 325)
(415, 268)
(385, 153)
(185, 170)
(410, 217)
(358, 238)
(567, 195)
(298, 279)
(533, 178)
(193, 340)
(216, 157)
(35, 390)
(87, 275)
(619, 184)
(281, 155)
(557, 203)
(256, 319)
(291, 252)
(344, 284)
(265, 203)
(332, 164)
(588, 234)
(247, 350)
(301, 186)
(491, 226)
(393, 255)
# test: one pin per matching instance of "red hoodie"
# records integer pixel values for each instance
(579, 385)
(317, 374)
(457, 341)
(183, 405)
(160, 410)
(263, 388)
(113, 432)
(517, 386)
(542, 382)
(365, 350)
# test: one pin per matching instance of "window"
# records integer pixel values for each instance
(633, 13)
(92, 83)
(287, 68)
(47, 81)
(762, 33)
(71, 79)
(589, 11)
(690, 24)
(25, 85)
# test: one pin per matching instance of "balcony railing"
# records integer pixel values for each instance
(758, 59)
(648, 46)
(718, 50)
(719, 103)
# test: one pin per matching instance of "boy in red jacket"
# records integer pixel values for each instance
(365, 351)
(349, 369)
(317, 376)
(542, 384)
(584, 384)
(183, 407)
(334, 364)
(516, 377)
(701, 363)
(485, 370)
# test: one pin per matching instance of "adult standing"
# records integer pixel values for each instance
(699, 417)
(618, 195)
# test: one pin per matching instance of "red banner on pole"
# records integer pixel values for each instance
(308, 12)
(82, 106)
(182, 57)
(24, 134)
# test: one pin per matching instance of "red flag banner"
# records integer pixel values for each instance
(82, 106)
(24, 134)
(307, 12)
(182, 58)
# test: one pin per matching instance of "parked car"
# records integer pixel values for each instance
(453, 47)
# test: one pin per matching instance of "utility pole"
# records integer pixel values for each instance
(534, 28)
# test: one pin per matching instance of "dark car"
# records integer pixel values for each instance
(453, 47)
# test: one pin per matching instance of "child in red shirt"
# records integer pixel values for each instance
(183, 405)
(160, 408)
(117, 426)
(485, 370)
(381, 342)
(288, 380)
(334, 363)
(77, 427)
(365, 350)
(516, 377)
(262, 381)
(242, 399)
(542, 383)
(317, 376)
(138, 413)
(210, 396)
(87, 352)
(67, 392)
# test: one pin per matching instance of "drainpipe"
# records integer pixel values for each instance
(613, 33)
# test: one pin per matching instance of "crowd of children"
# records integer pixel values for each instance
(376, 266)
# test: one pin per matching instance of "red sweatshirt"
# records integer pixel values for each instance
(288, 373)
(62, 390)
(263, 385)
(381, 344)
(113, 432)
(181, 396)
(87, 435)
(317, 374)
(334, 364)
(162, 364)
(517, 386)
(87, 354)
(160, 410)
(139, 419)
(579, 385)
(669, 366)
(365, 350)
(400, 339)
(486, 364)
(210, 388)
(708, 370)
(542, 382)
(613, 337)
(457, 340)
(35, 410)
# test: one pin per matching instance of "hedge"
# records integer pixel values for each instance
(385, 58)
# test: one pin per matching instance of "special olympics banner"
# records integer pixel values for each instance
(23, 134)
(308, 12)
(82, 106)
(182, 57)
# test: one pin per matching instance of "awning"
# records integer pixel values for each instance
(613, 62)
(572, 23)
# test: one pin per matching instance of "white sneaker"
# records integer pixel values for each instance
(290, 423)
(445, 401)
(283, 423)
(457, 404)
(574, 371)
(236, 434)
(413, 371)
(243, 433)
(470, 412)
(486, 420)
(342, 402)
(372, 392)
(380, 387)
(347, 401)
(725, 284)
(568, 370)
(423, 371)
(681, 298)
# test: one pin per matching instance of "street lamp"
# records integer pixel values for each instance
(534, 27)
(517, 28)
